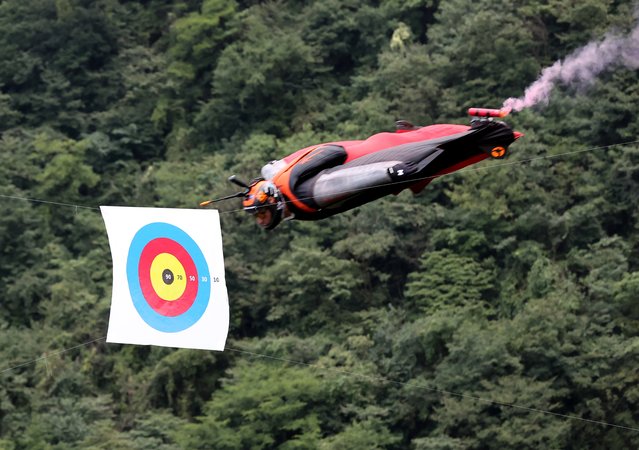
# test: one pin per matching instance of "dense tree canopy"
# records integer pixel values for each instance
(498, 309)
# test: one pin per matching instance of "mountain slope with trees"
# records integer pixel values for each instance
(449, 320)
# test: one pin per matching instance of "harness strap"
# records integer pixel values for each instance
(283, 182)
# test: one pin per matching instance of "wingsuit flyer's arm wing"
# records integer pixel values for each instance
(293, 179)
(366, 176)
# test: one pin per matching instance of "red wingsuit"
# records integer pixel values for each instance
(326, 179)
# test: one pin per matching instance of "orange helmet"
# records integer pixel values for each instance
(261, 196)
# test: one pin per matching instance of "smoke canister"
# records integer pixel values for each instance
(486, 112)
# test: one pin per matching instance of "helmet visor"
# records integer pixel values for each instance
(253, 210)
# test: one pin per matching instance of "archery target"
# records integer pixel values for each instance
(168, 277)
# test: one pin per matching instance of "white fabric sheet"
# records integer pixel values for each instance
(168, 278)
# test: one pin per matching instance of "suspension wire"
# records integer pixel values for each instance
(464, 170)
(50, 354)
(371, 378)
(418, 386)
(35, 200)
(412, 181)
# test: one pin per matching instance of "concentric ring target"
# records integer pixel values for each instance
(168, 277)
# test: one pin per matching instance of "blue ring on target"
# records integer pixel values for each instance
(163, 323)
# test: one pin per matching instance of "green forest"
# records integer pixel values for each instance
(498, 309)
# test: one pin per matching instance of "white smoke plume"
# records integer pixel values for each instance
(581, 68)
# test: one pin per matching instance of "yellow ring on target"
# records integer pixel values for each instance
(168, 291)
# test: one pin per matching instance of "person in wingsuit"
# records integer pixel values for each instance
(326, 179)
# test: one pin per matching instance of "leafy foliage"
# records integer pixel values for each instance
(497, 309)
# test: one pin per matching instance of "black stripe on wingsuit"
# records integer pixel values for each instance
(323, 157)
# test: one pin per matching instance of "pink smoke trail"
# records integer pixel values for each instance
(580, 68)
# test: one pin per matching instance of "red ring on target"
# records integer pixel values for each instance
(167, 308)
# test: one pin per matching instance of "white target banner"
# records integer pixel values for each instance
(168, 277)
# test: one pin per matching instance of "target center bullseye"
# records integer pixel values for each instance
(168, 277)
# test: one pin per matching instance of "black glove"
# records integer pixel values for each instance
(402, 171)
